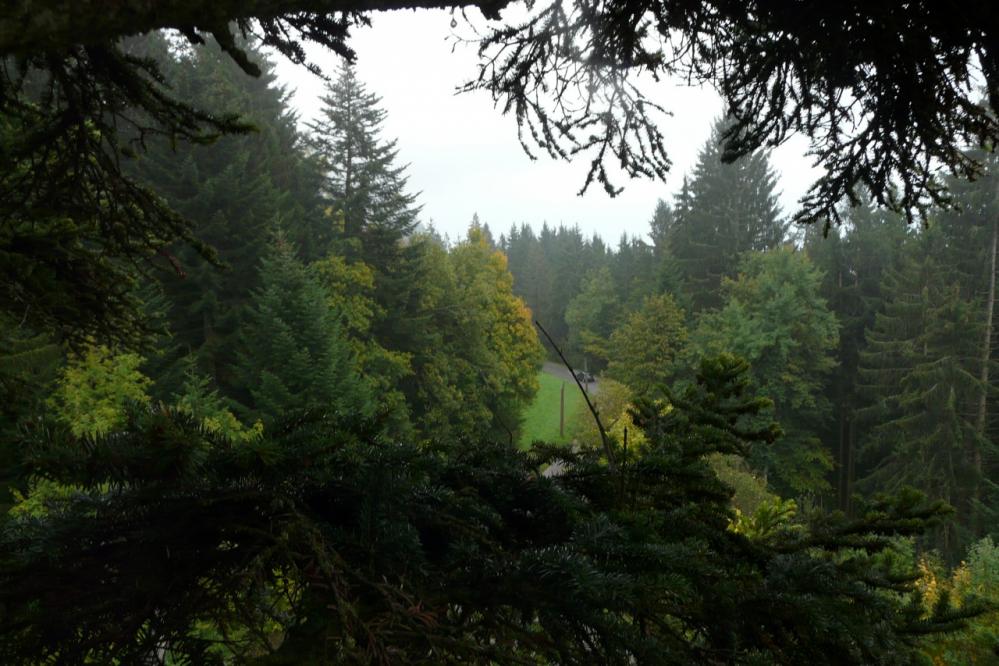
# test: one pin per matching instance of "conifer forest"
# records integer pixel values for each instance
(256, 408)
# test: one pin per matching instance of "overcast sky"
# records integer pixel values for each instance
(464, 156)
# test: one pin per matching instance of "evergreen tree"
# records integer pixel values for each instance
(592, 316)
(372, 218)
(973, 254)
(919, 375)
(322, 544)
(549, 271)
(854, 259)
(363, 187)
(236, 192)
(294, 354)
(29, 365)
(633, 267)
(722, 211)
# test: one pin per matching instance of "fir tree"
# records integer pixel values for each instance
(854, 259)
(294, 354)
(592, 316)
(322, 544)
(363, 186)
(722, 211)
(236, 192)
(918, 373)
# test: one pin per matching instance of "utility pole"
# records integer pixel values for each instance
(561, 412)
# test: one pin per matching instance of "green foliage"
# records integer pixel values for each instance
(749, 490)
(775, 318)
(549, 268)
(541, 417)
(361, 182)
(331, 545)
(236, 192)
(76, 229)
(95, 386)
(918, 373)
(612, 402)
(593, 314)
(351, 295)
(974, 582)
(723, 211)
(198, 399)
(507, 353)
(294, 355)
(771, 520)
(29, 365)
(854, 260)
(646, 348)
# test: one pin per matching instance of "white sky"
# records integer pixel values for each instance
(464, 156)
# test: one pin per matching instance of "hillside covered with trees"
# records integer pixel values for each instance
(293, 437)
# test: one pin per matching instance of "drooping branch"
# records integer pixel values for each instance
(31, 26)
(886, 117)
(608, 451)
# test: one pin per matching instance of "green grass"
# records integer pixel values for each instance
(541, 418)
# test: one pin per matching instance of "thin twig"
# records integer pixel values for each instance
(593, 410)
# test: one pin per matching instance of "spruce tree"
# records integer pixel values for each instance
(592, 316)
(294, 355)
(918, 374)
(363, 187)
(236, 192)
(722, 211)
(854, 259)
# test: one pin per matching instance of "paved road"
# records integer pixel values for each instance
(560, 371)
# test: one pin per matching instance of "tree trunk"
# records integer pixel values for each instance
(843, 483)
(850, 463)
(982, 420)
(987, 340)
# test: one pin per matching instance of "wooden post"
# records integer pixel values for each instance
(561, 412)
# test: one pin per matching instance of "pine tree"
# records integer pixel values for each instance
(722, 211)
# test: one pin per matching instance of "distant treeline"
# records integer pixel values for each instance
(875, 341)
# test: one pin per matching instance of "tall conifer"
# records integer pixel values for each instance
(294, 355)
(723, 211)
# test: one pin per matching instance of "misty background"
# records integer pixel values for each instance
(464, 157)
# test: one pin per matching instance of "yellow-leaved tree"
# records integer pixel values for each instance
(496, 331)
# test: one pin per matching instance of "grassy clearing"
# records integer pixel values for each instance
(541, 418)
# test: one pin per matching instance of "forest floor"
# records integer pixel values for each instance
(541, 418)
